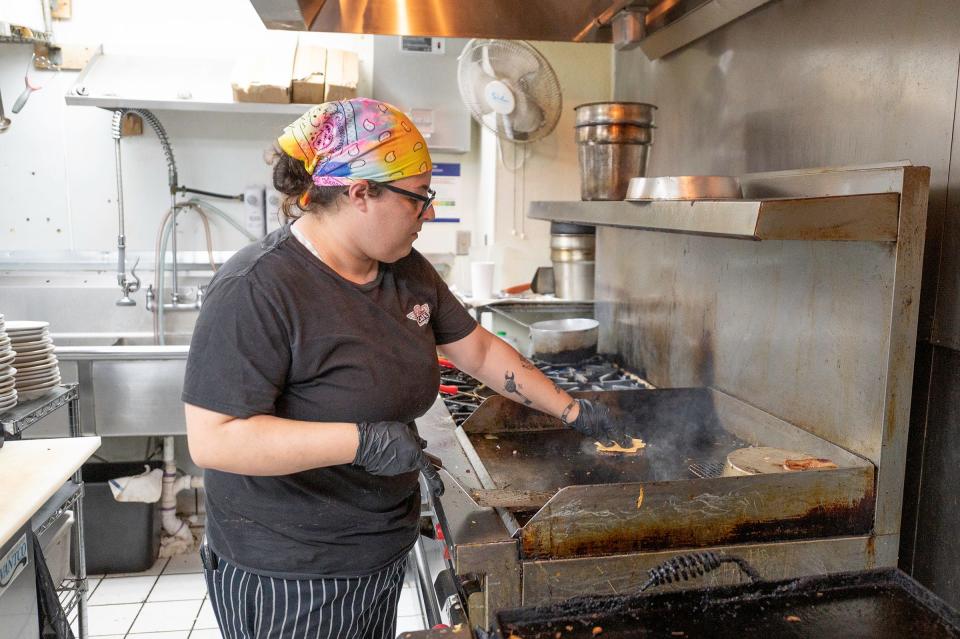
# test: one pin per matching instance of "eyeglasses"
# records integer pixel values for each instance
(426, 199)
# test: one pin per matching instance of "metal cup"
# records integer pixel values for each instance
(608, 160)
(639, 113)
(610, 154)
(573, 258)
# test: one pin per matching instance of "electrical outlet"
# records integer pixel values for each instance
(463, 243)
(274, 199)
(253, 218)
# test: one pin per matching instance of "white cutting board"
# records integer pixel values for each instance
(31, 471)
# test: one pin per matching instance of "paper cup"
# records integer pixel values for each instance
(481, 280)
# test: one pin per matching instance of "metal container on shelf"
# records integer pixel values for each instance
(684, 187)
(613, 143)
(573, 253)
(639, 113)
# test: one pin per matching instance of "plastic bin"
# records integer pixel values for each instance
(118, 536)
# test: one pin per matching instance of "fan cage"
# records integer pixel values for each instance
(543, 88)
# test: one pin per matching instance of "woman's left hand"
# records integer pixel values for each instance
(392, 448)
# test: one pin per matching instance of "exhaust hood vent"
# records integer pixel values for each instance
(659, 26)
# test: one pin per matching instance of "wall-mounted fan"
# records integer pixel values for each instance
(510, 88)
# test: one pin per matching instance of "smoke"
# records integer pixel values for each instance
(679, 426)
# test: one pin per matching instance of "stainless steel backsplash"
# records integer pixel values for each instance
(808, 83)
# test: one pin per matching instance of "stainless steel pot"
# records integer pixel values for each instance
(607, 168)
(573, 251)
(564, 341)
(621, 112)
(614, 133)
(613, 143)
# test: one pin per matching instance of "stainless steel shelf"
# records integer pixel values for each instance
(69, 594)
(871, 217)
(172, 83)
(67, 498)
(186, 105)
(62, 501)
(72, 592)
(25, 414)
(37, 37)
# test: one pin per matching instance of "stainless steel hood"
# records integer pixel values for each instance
(562, 20)
(657, 26)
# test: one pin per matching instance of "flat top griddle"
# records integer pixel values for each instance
(548, 460)
(584, 503)
(876, 604)
(524, 451)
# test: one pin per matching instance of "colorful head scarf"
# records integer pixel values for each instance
(357, 139)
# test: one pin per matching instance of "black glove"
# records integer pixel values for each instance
(594, 421)
(392, 448)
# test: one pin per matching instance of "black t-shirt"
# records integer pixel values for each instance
(280, 333)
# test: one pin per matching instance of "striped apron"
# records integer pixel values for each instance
(250, 606)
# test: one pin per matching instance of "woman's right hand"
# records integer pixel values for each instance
(392, 448)
(595, 421)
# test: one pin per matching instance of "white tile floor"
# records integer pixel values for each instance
(169, 601)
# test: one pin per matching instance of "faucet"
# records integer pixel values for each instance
(132, 284)
(127, 286)
(176, 304)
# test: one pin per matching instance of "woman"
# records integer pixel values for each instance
(314, 352)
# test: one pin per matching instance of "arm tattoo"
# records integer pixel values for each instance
(510, 385)
(527, 364)
(565, 416)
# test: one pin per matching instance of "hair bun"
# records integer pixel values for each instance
(289, 175)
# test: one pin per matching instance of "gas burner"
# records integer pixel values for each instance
(595, 374)
(462, 394)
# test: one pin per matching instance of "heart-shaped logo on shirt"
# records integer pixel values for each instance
(420, 314)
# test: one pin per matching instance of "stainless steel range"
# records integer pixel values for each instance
(783, 320)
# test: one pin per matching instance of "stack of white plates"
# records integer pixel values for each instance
(8, 391)
(37, 371)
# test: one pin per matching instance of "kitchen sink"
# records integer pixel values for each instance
(76, 340)
(128, 385)
(170, 340)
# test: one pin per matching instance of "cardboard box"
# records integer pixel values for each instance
(309, 73)
(343, 74)
(264, 71)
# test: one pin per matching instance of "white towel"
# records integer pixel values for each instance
(144, 487)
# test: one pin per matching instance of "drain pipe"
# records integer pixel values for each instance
(180, 538)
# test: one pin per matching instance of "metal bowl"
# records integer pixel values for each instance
(636, 113)
(684, 187)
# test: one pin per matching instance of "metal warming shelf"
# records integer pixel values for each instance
(871, 217)
(846, 204)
